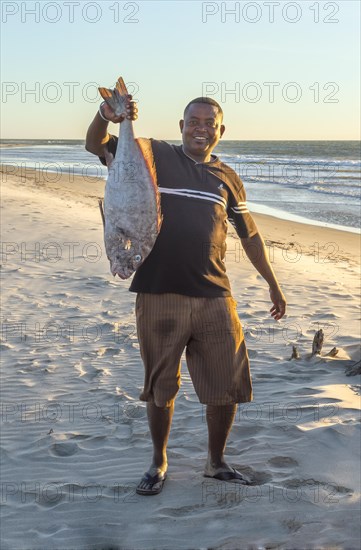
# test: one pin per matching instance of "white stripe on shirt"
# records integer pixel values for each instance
(195, 195)
(240, 209)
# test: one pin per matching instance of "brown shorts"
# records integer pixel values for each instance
(210, 331)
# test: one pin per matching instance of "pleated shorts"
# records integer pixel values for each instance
(210, 331)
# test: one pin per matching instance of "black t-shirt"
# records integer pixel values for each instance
(197, 199)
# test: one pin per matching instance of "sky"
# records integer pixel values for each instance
(281, 70)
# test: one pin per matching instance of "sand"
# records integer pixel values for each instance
(74, 434)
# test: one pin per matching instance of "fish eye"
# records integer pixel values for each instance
(137, 258)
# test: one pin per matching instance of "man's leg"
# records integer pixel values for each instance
(218, 364)
(163, 328)
(160, 421)
(219, 421)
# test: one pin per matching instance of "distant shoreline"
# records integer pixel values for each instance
(255, 207)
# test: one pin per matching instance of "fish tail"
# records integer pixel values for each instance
(121, 87)
(115, 98)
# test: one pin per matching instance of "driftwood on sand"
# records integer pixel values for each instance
(317, 345)
(317, 342)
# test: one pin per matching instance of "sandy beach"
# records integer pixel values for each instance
(74, 434)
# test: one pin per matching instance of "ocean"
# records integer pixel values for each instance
(310, 181)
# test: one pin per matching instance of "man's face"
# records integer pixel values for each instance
(201, 130)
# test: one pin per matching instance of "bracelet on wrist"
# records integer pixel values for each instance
(101, 112)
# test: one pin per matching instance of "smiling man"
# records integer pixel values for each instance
(201, 128)
(184, 299)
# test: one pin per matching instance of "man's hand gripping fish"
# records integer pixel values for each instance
(131, 214)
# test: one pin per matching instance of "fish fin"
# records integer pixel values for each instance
(109, 158)
(100, 202)
(145, 147)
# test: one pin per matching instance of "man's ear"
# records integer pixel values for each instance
(181, 125)
(222, 129)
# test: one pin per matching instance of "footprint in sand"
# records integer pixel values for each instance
(292, 525)
(282, 462)
(182, 510)
(255, 477)
(67, 448)
(50, 498)
(86, 372)
(331, 488)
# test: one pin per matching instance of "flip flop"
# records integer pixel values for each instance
(151, 485)
(230, 475)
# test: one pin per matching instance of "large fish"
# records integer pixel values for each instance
(131, 209)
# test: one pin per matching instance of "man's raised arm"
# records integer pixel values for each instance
(97, 135)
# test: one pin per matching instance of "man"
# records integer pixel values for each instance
(183, 293)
